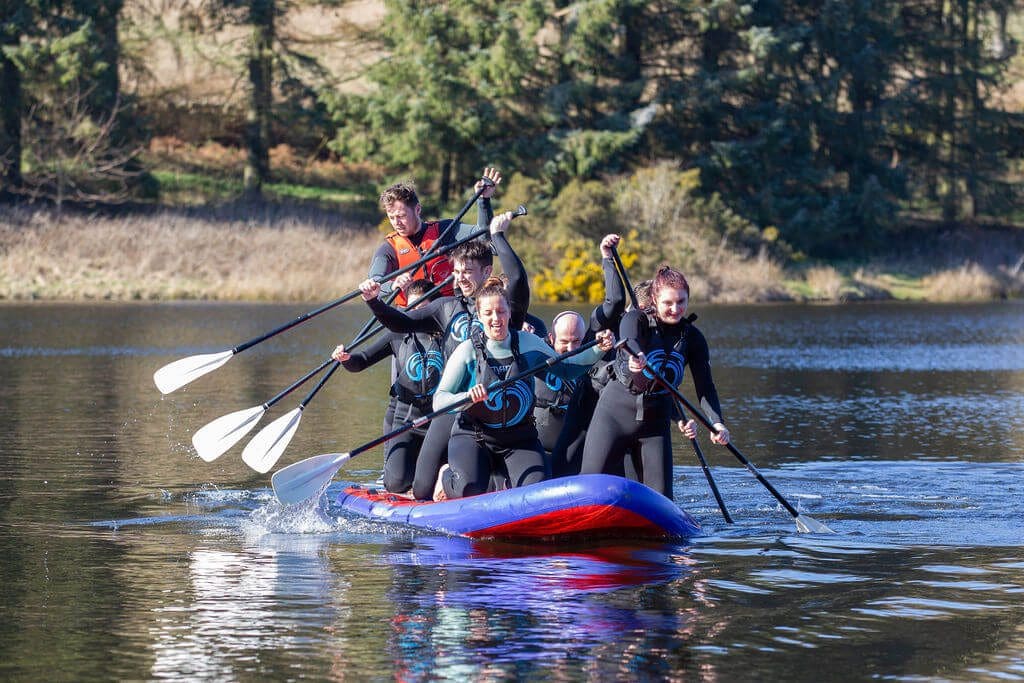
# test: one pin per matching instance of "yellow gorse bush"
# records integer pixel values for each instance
(578, 275)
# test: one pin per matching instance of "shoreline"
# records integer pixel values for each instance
(173, 256)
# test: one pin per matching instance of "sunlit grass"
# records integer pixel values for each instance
(174, 255)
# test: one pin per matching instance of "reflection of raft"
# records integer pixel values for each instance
(584, 506)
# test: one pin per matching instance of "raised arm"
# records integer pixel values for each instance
(518, 282)
(608, 315)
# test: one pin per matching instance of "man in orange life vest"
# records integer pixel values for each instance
(412, 237)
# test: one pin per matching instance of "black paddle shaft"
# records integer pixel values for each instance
(363, 336)
(624, 277)
(707, 423)
(420, 421)
(390, 276)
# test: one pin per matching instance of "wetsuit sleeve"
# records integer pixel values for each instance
(456, 378)
(698, 358)
(630, 331)
(377, 351)
(540, 328)
(484, 214)
(607, 315)
(518, 283)
(572, 367)
(422, 319)
(384, 261)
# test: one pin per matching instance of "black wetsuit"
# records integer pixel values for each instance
(568, 425)
(454, 318)
(419, 361)
(634, 412)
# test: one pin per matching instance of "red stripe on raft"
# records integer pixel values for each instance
(585, 520)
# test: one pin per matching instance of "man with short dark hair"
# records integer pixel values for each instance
(412, 238)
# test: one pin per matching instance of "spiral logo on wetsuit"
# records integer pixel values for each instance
(554, 382)
(420, 365)
(462, 325)
(518, 393)
(671, 368)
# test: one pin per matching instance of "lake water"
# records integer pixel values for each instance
(123, 556)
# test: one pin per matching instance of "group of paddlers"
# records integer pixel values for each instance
(460, 337)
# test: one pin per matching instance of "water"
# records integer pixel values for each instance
(124, 556)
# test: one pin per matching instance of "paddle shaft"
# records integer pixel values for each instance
(707, 423)
(624, 277)
(707, 472)
(390, 276)
(364, 335)
(420, 421)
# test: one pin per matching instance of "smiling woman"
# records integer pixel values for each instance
(496, 426)
(172, 255)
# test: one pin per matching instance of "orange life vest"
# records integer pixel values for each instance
(435, 270)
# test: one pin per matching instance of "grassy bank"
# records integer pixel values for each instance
(282, 253)
(236, 254)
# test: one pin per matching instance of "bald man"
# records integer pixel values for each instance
(554, 393)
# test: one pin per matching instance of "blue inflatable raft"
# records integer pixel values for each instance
(581, 507)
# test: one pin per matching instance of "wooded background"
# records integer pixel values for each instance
(802, 128)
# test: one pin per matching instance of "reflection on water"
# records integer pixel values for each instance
(125, 557)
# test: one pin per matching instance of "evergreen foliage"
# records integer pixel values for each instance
(773, 126)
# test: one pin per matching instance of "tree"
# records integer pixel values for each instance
(18, 20)
(959, 145)
(442, 90)
(71, 151)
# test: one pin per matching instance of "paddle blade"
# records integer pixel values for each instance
(307, 478)
(269, 443)
(179, 373)
(215, 438)
(809, 525)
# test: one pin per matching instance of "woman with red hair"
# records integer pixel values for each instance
(634, 412)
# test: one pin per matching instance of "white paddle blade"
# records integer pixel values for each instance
(179, 373)
(269, 443)
(809, 525)
(215, 438)
(307, 478)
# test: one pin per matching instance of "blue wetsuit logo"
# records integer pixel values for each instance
(554, 382)
(419, 365)
(462, 325)
(520, 393)
(671, 368)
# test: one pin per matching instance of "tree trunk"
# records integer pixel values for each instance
(105, 97)
(258, 115)
(446, 178)
(10, 126)
(950, 136)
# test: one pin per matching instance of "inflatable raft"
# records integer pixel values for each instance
(581, 507)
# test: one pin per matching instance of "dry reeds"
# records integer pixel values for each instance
(168, 255)
(969, 282)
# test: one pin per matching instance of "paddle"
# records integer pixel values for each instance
(269, 443)
(177, 374)
(215, 438)
(803, 522)
(707, 471)
(621, 269)
(308, 478)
